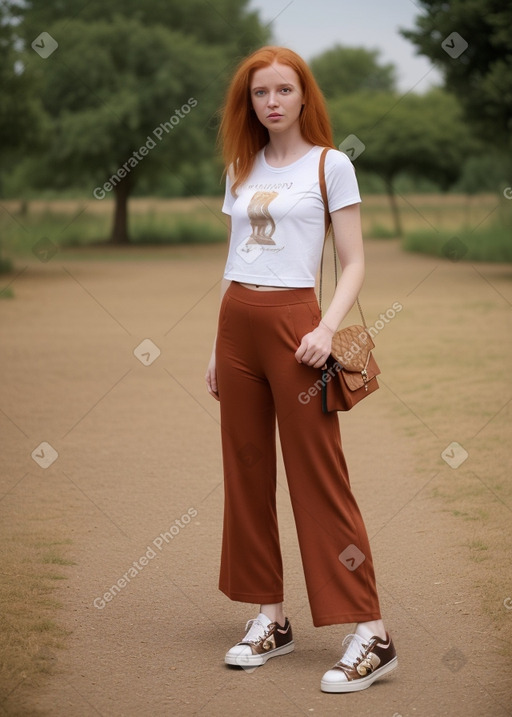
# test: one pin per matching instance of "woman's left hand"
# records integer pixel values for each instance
(315, 347)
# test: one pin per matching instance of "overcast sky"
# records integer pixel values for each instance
(311, 26)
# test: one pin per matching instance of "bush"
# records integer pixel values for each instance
(491, 244)
(5, 266)
(153, 230)
(379, 231)
(484, 174)
(90, 229)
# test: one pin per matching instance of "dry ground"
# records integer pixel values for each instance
(138, 450)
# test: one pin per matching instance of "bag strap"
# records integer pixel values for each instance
(329, 228)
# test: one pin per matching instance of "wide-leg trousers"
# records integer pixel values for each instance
(260, 380)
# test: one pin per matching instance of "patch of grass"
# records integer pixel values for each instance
(5, 266)
(470, 516)
(425, 212)
(45, 625)
(379, 231)
(477, 550)
(46, 543)
(29, 632)
(52, 558)
(467, 491)
(90, 230)
(477, 545)
(193, 220)
(75, 225)
(183, 230)
(60, 229)
(492, 243)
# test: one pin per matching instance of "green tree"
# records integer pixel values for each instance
(223, 23)
(421, 135)
(344, 70)
(21, 113)
(128, 96)
(479, 73)
(22, 120)
(483, 173)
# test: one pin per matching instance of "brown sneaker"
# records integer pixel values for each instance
(264, 639)
(363, 662)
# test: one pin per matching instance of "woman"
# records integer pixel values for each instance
(270, 347)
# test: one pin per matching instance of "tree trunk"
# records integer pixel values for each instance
(119, 234)
(394, 207)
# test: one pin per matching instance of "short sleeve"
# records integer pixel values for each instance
(341, 181)
(229, 199)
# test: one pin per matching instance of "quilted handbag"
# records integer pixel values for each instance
(351, 371)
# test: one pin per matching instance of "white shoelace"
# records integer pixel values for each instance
(256, 632)
(355, 651)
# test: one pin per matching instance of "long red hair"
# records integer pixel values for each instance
(242, 134)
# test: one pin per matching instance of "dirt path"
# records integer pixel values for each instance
(138, 480)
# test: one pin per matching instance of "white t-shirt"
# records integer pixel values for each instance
(277, 218)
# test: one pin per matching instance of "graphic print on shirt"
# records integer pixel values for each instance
(263, 225)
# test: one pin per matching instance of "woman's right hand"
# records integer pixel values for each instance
(211, 377)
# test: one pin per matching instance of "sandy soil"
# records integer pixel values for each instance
(139, 455)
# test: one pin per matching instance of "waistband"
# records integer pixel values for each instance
(270, 298)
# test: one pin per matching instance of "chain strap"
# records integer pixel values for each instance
(329, 230)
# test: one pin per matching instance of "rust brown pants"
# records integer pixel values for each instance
(259, 379)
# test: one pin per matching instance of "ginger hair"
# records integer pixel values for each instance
(241, 133)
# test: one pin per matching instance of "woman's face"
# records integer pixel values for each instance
(276, 96)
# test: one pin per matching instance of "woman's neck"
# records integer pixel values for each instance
(285, 148)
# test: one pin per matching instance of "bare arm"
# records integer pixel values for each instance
(211, 372)
(316, 345)
(349, 246)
